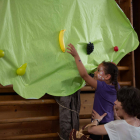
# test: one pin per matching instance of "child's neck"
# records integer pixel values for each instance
(108, 82)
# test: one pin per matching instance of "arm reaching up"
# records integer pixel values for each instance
(83, 73)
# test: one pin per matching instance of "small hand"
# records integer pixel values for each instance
(72, 51)
(95, 115)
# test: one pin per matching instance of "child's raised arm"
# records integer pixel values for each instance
(83, 73)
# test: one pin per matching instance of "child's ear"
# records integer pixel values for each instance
(108, 76)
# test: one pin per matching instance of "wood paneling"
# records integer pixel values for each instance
(86, 103)
(136, 11)
(28, 119)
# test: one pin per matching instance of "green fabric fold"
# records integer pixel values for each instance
(29, 32)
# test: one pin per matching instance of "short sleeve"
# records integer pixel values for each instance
(99, 85)
(111, 130)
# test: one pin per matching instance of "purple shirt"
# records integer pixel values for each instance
(105, 96)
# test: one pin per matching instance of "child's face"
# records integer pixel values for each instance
(119, 109)
(99, 74)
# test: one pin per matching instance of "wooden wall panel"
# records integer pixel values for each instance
(21, 111)
(136, 11)
(127, 75)
(128, 60)
(83, 122)
(87, 100)
(25, 128)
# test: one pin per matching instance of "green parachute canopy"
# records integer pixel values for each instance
(29, 31)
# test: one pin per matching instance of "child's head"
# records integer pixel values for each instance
(108, 72)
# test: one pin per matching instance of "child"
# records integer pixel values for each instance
(105, 84)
